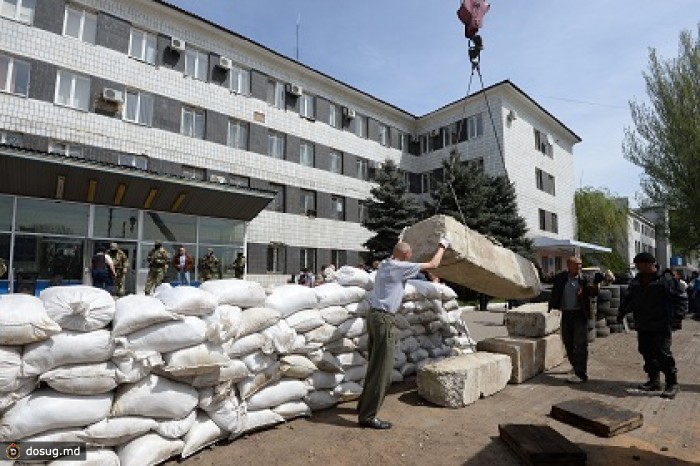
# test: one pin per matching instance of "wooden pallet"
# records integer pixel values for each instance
(541, 445)
(597, 417)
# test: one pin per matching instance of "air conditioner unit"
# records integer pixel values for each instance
(217, 179)
(225, 63)
(348, 113)
(113, 95)
(434, 132)
(294, 89)
(177, 44)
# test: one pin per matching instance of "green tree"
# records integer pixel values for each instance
(389, 210)
(665, 140)
(602, 220)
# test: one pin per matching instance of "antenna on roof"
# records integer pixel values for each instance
(298, 24)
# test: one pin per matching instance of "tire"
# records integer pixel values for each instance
(601, 323)
(611, 312)
(614, 291)
(604, 295)
(614, 302)
(616, 328)
(591, 324)
(604, 307)
(602, 332)
(591, 335)
(611, 320)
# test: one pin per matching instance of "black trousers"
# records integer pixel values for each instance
(574, 334)
(655, 348)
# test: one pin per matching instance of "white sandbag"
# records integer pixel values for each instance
(418, 329)
(292, 410)
(424, 288)
(450, 305)
(362, 341)
(341, 345)
(348, 275)
(399, 359)
(135, 312)
(427, 317)
(93, 457)
(408, 369)
(323, 334)
(236, 292)
(65, 348)
(283, 391)
(82, 379)
(11, 368)
(355, 373)
(302, 347)
(396, 376)
(288, 299)
(195, 360)
(351, 359)
(321, 399)
(320, 380)
(203, 433)
(155, 397)
(149, 449)
(187, 300)
(223, 323)
(409, 345)
(250, 385)
(358, 309)
(115, 431)
(233, 371)
(133, 366)
(438, 307)
(256, 420)
(353, 328)
(335, 315)
(8, 399)
(297, 366)
(307, 319)
(418, 355)
(325, 361)
(81, 308)
(282, 336)
(248, 344)
(46, 409)
(23, 320)
(425, 342)
(256, 319)
(229, 414)
(68, 435)
(447, 293)
(400, 322)
(166, 337)
(258, 361)
(176, 428)
(348, 391)
(332, 294)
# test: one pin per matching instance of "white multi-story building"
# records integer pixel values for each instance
(133, 121)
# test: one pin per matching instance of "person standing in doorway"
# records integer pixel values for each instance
(102, 270)
(184, 264)
(384, 302)
(121, 266)
(208, 266)
(158, 259)
(572, 293)
(239, 266)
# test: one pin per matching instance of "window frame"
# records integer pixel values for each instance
(145, 39)
(278, 204)
(243, 129)
(195, 112)
(360, 126)
(242, 80)
(307, 259)
(136, 160)
(75, 78)
(81, 29)
(475, 126)
(335, 155)
(68, 149)
(275, 259)
(276, 142)
(140, 96)
(199, 57)
(384, 135)
(334, 211)
(11, 76)
(333, 116)
(425, 182)
(306, 148)
(309, 202)
(192, 172)
(307, 107)
(362, 170)
(18, 7)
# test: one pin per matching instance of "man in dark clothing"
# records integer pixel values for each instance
(656, 300)
(572, 293)
(102, 270)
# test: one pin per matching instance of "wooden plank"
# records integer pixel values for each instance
(541, 445)
(600, 418)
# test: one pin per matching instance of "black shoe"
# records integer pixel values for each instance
(671, 391)
(653, 385)
(375, 423)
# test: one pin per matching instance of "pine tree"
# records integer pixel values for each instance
(505, 223)
(389, 210)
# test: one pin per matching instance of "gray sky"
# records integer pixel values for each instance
(581, 60)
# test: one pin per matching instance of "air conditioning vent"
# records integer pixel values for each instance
(177, 44)
(293, 89)
(113, 95)
(225, 63)
(349, 113)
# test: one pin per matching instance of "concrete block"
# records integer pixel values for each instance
(529, 356)
(554, 351)
(461, 380)
(532, 320)
(473, 260)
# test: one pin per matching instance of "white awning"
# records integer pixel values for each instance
(544, 242)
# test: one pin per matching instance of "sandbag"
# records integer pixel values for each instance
(65, 348)
(8, 399)
(297, 366)
(155, 397)
(291, 298)
(333, 294)
(82, 379)
(93, 457)
(68, 435)
(81, 308)
(282, 336)
(250, 385)
(195, 360)
(256, 420)
(355, 373)
(323, 334)
(10, 368)
(23, 320)
(176, 428)
(148, 449)
(135, 312)
(283, 391)
(236, 292)
(223, 323)
(229, 415)
(320, 380)
(257, 362)
(133, 366)
(321, 399)
(233, 371)
(256, 319)
(248, 344)
(46, 409)
(341, 345)
(292, 410)
(351, 359)
(203, 433)
(422, 289)
(348, 391)
(335, 315)
(358, 309)
(325, 361)
(187, 300)
(166, 337)
(353, 328)
(348, 275)
(115, 431)
(307, 319)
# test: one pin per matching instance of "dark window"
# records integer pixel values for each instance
(277, 204)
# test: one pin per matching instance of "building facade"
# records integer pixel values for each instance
(201, 125)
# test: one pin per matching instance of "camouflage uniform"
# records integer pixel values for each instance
(208, 266)
(121, 264)
(239, 266)
(158, 260)
(3, 267)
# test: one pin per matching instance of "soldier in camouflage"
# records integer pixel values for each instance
(158, 260)
(121, 265)
(3, 267)
(239, 266)
(208, 266)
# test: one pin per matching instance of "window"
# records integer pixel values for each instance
(139, 108)
(238, 134)
(362, 169)
(192, 173)
(475, 126)
(362, 211)
(142, 46)
(425, 183)
(135, 161)
(335, 162)
(308, 202)
(361, 126)
(338, 207)
(476, 164)
(306, 106)
(276, 94)
(424, 144)
(11, 139)
(557, 264)
(307, 259)
(384, 135)
(549, 221)
(79, 24)
(240, 80)
(306, 154)
(275, 259)
(72, 90)
(20, 10)
(333, 116)
(339, 258)
(240, 181)
(14, 76)
(636, 225)
(543, 143)
(545, 181)
(64, 148)
(401, 141)
(277, 204)
(193, 123)
(275, 145)
(196, 64)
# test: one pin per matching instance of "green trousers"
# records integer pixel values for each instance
(380, 330)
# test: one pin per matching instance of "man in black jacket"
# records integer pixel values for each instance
(571, 293)
(656, 300)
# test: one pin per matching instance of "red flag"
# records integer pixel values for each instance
(471, 13)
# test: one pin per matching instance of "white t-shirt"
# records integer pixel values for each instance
(389, 284)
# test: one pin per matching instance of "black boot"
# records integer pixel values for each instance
(653, 385)
(672, 387)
